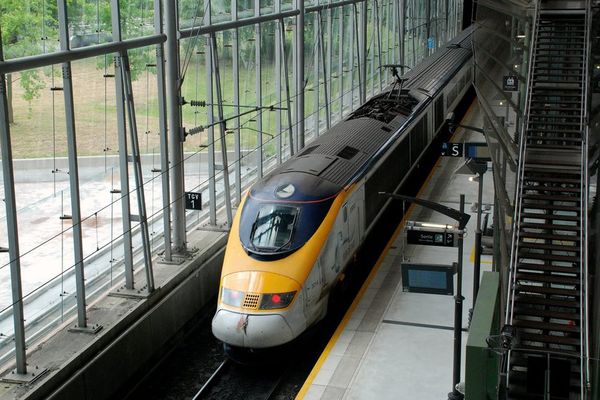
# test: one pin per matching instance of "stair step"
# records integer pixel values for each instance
(536, 312)
(550, 207)
(544, 246)
(553, 125)
(532, 337)
(546, 109)
(559, 279)
(562, 101)
(556, 217)
(548, 257)
(543, 133)
(554, 68)
(557, 207)
(541, 300)
(547, 290)
(553, 227)
(556, 189)
(522, 266)
(545, 146)
(546, 326)
(546, 169)
(549, 236)
(570, 120)
(570, 199)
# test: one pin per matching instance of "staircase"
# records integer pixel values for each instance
(547, 293)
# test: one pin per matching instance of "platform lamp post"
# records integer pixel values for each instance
(478, 168)
(462, 218)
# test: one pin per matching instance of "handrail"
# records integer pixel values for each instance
(584, 309)
(519, 185)
(521, 169)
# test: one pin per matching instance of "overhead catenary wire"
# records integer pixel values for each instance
(242, 126)
(157, 213)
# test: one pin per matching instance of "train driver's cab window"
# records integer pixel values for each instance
(273, 227)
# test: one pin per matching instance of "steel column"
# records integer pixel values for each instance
(287, 88)
(478, 233)
(162, 126)
(378, 27)
(401, 29)
(458, 310)
(123, 151)
(329, 63)
(351, 56)
(258, 87)
(73, 167)
(278, 49)
(12, 226)
(236, 102)
(137, 170)
(317, 84)
(222, 128)
(176, 137)
(341, 60)
(210, 110)
(326, 91)
(363, 52)
(236, 108)
(300, 74)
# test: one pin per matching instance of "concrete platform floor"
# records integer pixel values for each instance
(399, 345)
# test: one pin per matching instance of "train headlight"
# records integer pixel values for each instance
(272, 301)
(232, 297)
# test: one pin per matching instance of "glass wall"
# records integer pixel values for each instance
(257, 89)
(502, 49)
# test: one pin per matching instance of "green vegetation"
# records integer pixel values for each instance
(38, 126)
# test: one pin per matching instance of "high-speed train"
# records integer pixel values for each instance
(298, 228)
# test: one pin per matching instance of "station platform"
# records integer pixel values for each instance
(393, 344)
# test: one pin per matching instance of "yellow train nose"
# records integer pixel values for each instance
(253, 289)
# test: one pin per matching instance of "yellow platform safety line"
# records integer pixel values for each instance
(472, 258)
(348, 315)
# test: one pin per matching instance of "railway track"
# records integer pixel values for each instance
(232, 381)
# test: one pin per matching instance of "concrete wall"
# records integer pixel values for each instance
(109, 363)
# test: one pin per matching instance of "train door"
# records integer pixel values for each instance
(344, 235)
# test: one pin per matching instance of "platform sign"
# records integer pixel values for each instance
(193, 201)
(478, 151)
(430, 43)
(428, 278)
(510, 83)
(430, 238)
(452, 149)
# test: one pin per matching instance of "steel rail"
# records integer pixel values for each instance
(212, 379)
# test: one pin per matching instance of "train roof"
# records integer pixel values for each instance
(333, 160)
(436, 70)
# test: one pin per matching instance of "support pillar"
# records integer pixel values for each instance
(300, 74)
(176, 136)
(73, 169)
(12, 226)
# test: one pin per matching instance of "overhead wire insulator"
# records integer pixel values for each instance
(198, 103)
(195, 130)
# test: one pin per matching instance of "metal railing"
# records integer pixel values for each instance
(519, 189)
(584, 310)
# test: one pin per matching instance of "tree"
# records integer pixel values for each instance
(27, 28)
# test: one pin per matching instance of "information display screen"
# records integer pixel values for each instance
(428, 278)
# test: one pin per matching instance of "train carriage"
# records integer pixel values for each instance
(298, 228)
